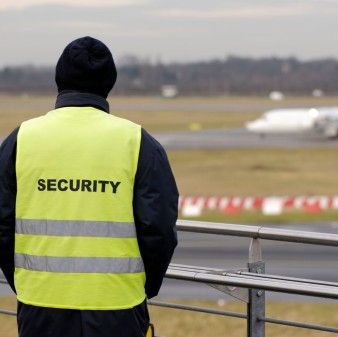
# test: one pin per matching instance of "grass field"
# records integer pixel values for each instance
(258, 172)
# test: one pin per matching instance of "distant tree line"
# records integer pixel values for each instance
(231, 76)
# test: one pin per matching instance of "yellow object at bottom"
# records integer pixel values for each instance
(150, 332)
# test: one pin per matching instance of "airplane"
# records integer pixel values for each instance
(322, 120)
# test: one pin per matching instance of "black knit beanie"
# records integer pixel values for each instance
(86, 65)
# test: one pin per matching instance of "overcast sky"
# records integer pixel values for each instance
(36, 31)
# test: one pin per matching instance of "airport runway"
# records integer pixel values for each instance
(239, 105)
(238, 139)
(216, 139)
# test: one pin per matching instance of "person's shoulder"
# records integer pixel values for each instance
(123, 121)
(35, 121)
(11, 138)
(8, 146)
(150, 141)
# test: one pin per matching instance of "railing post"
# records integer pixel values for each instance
(256, 304)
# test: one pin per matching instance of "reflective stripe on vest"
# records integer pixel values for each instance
(76, 228)
(75, 244)
(58, 264)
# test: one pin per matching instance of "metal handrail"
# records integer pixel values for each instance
(258, 232)
(254, 281)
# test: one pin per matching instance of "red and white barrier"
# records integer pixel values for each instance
(268, 205)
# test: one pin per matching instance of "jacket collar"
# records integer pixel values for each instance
(77, 98)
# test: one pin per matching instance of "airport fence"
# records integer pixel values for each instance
(250, 283)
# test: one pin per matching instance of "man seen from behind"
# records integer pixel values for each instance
(88, 207)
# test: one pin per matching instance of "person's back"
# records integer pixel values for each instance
(95, 209)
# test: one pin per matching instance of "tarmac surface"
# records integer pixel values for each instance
(217, 139)
(238, 139)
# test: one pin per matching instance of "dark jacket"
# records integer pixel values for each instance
(155, 206)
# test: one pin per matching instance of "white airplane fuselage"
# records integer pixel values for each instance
(297, 120)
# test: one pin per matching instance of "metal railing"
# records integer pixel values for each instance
(249, 284)
(4, 311)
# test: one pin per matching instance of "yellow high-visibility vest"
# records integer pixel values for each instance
(75, 241)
